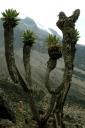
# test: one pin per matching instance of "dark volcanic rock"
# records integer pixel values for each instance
(5, 110)
(5, 124)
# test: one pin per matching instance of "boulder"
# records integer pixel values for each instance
(4, 123)
(73, 125)
(5, 110)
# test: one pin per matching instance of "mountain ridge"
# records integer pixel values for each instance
(41, 34)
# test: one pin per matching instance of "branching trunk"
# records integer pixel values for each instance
(10, 60)
(9, 53)
(26, 61)
(13, 71)
(55, 95)
(69, 60)
(58, 97)
(67, 26)
(51, 64)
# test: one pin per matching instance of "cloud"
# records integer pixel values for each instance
(46, 11)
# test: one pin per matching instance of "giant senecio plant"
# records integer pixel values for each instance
(55, 51)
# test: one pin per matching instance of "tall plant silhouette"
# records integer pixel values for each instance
(29, 40)
(55, 51)
(10, 20)
(70, 38)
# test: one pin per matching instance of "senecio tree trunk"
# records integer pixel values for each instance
(9, 52)
(26, 61)
(58, 96)
(28, 40)
(10, 60)
(54, 51)
(10, 20)
(70, 37)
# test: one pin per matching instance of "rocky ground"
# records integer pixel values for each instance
(74, 114)
(74, 109)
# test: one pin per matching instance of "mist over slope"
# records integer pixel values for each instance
(24, 24)
(38, 66)
(41, 34)
(39, 58)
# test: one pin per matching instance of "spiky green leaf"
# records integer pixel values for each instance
(28, 37)
(10, 17)
(52, 40)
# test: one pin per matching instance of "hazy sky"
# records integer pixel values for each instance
(46, 11)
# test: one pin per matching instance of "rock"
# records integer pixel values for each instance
(72, 125)
(4, 123)
(5, 110)
(69, 118)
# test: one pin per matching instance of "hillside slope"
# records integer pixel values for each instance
(41, 34)
(38, 63)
